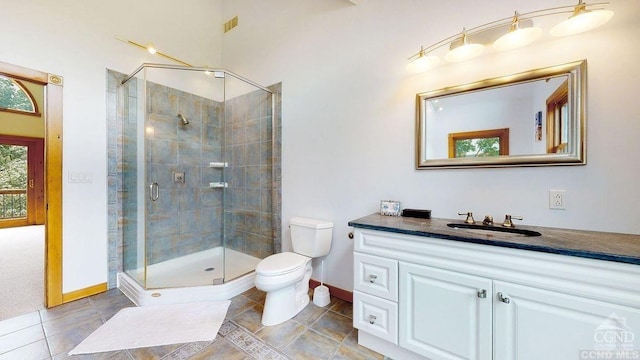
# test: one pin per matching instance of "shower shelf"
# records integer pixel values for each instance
(218, 185)
(218, 164)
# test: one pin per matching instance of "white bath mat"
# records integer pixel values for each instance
(156, 325)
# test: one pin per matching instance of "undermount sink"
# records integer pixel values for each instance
(483, 229)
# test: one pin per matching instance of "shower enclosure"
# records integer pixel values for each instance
(197, 176)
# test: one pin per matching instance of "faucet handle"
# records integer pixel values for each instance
(508, 222)
(469, 219)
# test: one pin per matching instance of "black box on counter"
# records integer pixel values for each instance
(417, 213)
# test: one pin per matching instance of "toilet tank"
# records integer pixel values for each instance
(311, 237)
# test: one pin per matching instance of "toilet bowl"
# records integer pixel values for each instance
(285, 279)
(285, 276)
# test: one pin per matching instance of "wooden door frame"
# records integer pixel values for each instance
(52, 174)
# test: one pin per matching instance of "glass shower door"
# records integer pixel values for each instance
(173, 216)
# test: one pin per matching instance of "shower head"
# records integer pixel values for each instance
(183, 120)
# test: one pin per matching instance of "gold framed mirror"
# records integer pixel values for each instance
(533, 118)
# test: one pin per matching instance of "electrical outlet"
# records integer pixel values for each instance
(80, 176)
(556, 199)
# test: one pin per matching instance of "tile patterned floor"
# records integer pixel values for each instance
(315, 333)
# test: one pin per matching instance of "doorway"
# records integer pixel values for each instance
(46, 170)
(21, 181)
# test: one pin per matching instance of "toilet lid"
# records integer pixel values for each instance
(282, 263)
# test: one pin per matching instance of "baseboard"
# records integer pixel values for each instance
(96, 289)
(334, 291)
(83, 293)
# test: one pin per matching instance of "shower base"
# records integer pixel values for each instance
(194, 277)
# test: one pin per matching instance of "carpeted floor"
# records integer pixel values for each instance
(21, 270)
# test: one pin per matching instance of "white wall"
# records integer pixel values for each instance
(75, 39)
(348, 113)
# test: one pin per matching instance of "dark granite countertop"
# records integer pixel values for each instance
(588, 244)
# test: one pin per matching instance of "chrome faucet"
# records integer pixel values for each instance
(469, 219)
(508, 222)
(488, 220)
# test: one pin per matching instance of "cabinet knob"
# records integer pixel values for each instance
(372, 278)
(482, 293)
(372, 319)
(503, 298)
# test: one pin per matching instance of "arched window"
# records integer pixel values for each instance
(15, 97)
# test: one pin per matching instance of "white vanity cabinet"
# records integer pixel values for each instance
(458, 300)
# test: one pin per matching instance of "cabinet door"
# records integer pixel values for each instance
(444, 314)
(534, 324)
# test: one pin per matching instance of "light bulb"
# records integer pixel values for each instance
(151, 49)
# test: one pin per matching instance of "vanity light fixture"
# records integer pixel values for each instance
(517, 36)
(581, 20)
(151, 49)
(470, 43)
(465, 50)
(423, 62)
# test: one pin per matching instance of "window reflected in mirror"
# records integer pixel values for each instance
(479, 143)
(558, 120)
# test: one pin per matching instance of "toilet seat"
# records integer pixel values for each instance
(281, 264)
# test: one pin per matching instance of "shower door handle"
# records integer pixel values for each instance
(154, 191)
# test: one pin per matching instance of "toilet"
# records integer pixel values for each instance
(285, 276)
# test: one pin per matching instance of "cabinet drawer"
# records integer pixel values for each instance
(376, 276)
(378, 317)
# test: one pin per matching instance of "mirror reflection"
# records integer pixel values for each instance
(527, 119)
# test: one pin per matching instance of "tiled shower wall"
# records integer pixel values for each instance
(248, 201)
(188, 217)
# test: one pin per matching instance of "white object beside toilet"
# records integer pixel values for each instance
(321, 296)
(285, 276)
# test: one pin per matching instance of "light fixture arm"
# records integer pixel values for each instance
(156, 51)
(581, 7)
(515, 22)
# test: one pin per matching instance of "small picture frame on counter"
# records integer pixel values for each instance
(390, 208)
